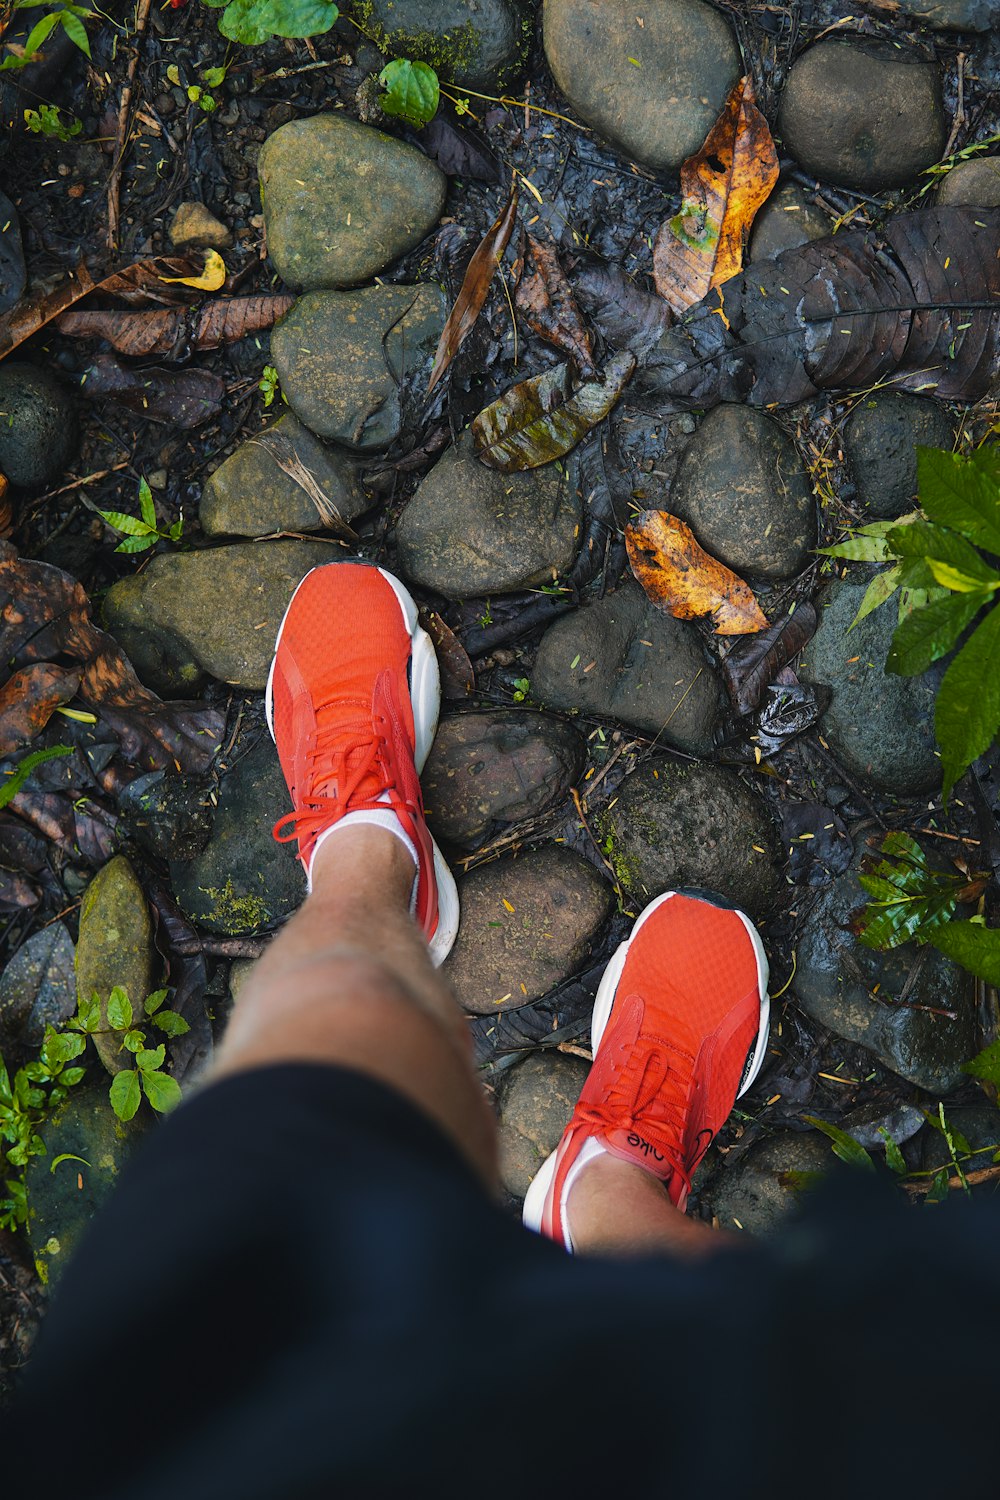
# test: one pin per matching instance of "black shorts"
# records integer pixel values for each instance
(300, 1289)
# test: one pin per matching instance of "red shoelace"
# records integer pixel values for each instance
(355, 759)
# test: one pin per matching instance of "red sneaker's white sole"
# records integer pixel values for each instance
(534, 1202)
(425, 697)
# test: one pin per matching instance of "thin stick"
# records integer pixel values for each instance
(122, 133)
(982, 1174)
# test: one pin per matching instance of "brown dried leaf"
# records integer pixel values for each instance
(137, 334)
(468, 304)
(722, 186)
(44, 613)
(458, 678)
(680, 577)
(544, 417)
(226, 319)
(754, 663)
(28, 700)
(184, 398)
(136, 284)
(546, 301)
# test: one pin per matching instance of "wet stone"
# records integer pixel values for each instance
(954, 15)
(880, 441)
(221, 607)
(537, 1099)
(880, 726)
(975, 182)
(527, 924)
(342, 358)
(682, 824)
(38, 987)
(479, 46)
(284, 479)
(470, 530)
(743, 491)
(788, 219)
(866, 1123)
(62, 1203)
(193, 227)
(864, 113)
(171, 816)
(342, 201)
(623, 659)
(851, 990)
(243, 881)
(39, 434)
(497, 767)
(751, 1195)
(658, 108)
(114, 947)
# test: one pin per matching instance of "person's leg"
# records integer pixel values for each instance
(349, 981)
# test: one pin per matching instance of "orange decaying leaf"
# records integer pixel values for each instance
(722, 187)
(680, 577)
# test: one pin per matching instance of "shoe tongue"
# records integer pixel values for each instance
(631, 1146)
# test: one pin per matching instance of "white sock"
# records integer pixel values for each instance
(376, 819)
(591, 1147)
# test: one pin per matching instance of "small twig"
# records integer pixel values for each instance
(590, 833)
(76, 484)
(981, 1174)
(956, 838)
(122, 132)
(575, 1051)
(960, 117)
(310, 67)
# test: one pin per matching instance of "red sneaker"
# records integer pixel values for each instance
(679, 1032)
(352, 705)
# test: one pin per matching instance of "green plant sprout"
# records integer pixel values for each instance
(939, 564)
(69, 17)
(253, 22)
(47, 120)
(141, 531)
(16, 778)
(147, 1076)
(522, 687)
(25, 1100)
(269, 385)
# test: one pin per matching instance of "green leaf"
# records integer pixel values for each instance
(137, 543)
(75, 30)
(213, 77)
(939, 1188)
(412, 91)
(949, 577)
(152, 1002)
(176, 530)
(146, 504)
(929, 633)
(542, 418)
(16, 779)
(957, 491)
(60, 1047)
(881, 588)
(859, 549)
(845, 1146)
(967, 711)
(134, 1041)
(986, 1064)
(88, 1013)
(299, 18)
(119, 1009)
(150, 1058)
(162, 1091)
(125, 1093)
(975, 947)
(40, 32)
(120, 521)
(936, 544)
(893, 1155)
(71, 1076)
(67, 1156)
(170, 1023)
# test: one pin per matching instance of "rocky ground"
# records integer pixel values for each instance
(596, 760)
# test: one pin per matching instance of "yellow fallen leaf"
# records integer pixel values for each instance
(680, 577)
(211, 278)
(722, 188)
